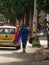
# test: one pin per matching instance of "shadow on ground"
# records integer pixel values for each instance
(7, 49)
(26, 58)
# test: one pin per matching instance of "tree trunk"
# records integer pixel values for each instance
(25, 19)
(30, 22)
(13, 21)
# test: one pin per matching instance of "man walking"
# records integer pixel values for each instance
(24, 38)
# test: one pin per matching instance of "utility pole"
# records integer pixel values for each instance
(35, 19)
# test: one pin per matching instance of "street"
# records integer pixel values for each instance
(13, 57)
(33, 56)
(16, 16)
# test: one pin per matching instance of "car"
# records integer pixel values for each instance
(7, 34)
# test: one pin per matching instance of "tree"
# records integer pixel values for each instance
(15, 8)
(47, 6)
(43, 5)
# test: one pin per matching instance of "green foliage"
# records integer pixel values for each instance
(47, 6)
(15, 8)
(43, 5)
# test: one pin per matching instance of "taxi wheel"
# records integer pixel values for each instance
(18, 47)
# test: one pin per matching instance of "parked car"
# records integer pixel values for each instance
(7, 36)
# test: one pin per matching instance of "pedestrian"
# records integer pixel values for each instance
(24, 38)
(44, 30)
(39, 27)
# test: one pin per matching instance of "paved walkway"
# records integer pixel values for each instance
(33, 56)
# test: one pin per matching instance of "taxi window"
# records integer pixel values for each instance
(7, 30)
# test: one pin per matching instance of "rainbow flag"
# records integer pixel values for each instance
(18, 33)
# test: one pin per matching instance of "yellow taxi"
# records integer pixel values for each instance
(7, 36)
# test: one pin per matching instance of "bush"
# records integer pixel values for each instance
(34, 41)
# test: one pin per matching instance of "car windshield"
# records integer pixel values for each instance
(7, 30)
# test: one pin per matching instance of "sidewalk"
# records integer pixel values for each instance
(31, 49)
(34, 55)
(40, 55)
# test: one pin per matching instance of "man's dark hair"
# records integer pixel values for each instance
(24, 25)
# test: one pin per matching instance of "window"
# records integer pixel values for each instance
(7, 30)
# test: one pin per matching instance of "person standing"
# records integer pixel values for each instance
(25, 32)
(45, 30)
